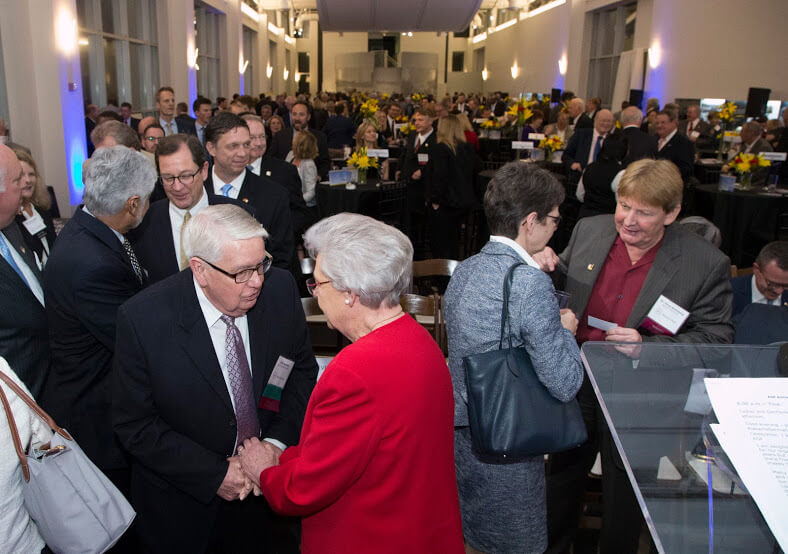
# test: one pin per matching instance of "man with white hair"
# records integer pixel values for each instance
(24, 341)
(578, 117)
(639, 144)
(92, 270)
(585, 144)
(694, 127)
(204, 360)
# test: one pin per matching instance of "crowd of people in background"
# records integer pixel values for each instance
(145, 328)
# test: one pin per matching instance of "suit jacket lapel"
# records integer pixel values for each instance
(246, 194)
(662, 270)
(196, 340)
(103, 233)
(259, 332)
(593, 255)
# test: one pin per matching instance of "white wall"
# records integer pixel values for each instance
(338, 43)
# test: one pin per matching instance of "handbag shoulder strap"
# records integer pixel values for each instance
(507, 288)
(35, 408)
(20, 453)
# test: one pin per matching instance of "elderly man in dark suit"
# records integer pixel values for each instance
(585, 143)
(228, 141)
(768, 283)
(639, 144)
(24, 341)
(578, 118)
(183, 169)
(93, 269)
(672, 145)
(694, 127)
(282, 142)
(618, 268)
(205, 359)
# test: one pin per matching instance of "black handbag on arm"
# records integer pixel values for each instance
(512, 414)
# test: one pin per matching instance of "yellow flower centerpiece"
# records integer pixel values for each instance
(490, 124)
(745, 164)
(727, 112)
(362, 163)
(522, 111)
(552, 143)
(416, 97)
(407, 128)
(369, 107)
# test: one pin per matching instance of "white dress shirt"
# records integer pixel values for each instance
(200, 131)
(256, 165)
(236, 184)
(218, 332)
(423, 138)
(594, 138)
(176, 221)
(30, 277)
(517, 248)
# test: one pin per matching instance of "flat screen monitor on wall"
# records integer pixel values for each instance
(756, 101)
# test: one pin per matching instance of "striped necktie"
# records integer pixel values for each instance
(184, 260)
(6, 252)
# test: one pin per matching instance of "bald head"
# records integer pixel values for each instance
(576, 107)
(143, 124)
(603, 122)
(631, 116)
(10, 186)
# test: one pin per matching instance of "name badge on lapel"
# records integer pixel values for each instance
(35, 224)
(272, 393)
(423, 158)
(665, 317)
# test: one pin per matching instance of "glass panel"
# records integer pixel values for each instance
(3, 92)
(630, 15)
(86, 14)
(658, 433)
(110, 72)
(458, 61)
(108, 16)
(134, 9)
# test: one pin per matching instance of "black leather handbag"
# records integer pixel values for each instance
(512, 414)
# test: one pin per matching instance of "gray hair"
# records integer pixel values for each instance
(206, 234)
(122, 133)
(364, 256)
(753, 127)
(112, 176)
(631, 116)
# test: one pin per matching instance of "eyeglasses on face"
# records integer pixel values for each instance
(153, 139)
(184, 178)
(311, 285)
(245, 274)
(555, 218)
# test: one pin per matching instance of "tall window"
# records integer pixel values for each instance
(206, 29)
(118, 50)
(250, 45)
(613, 33)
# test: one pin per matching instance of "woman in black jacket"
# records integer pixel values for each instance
(451, 170)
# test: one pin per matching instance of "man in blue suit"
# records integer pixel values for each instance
(768, 283)
(585, 144)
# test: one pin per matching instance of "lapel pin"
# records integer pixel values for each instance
(246, 200)
(590, 267)
(267, 173)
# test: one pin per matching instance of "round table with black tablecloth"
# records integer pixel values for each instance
(747, 219)
(332, 200)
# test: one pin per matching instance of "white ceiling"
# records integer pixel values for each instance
(396, 15)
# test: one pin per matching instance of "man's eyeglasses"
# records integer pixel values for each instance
(771, 285)
(311, 285)
(245, 274)
(153, 139)
(184, 178)
(556, 218)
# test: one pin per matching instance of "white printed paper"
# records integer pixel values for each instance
(522, 145)
(601, 323)
(665, 317)
(753, 416)
(535, 136)
(378, 152)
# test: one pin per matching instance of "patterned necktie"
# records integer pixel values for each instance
(6, 252)
(240, 382)
(169, 128)
(133, 259)
(417, 145)
(598, 146)
(226, 189)
(184, 260)
(691, 127)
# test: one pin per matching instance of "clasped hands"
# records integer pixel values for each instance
(243, 471)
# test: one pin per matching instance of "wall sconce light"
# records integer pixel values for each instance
(297, 76)
(515, 70)
(191, 59)
(562, 63)
(485, 74)
(242, 65)
(269, 71)
(83, 42)
(654, 55)
(66, 32)
(285, 74)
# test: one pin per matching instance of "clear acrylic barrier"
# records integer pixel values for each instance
(659, 422)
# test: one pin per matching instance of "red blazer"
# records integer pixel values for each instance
(374, 469)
